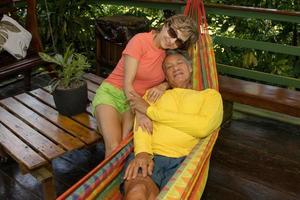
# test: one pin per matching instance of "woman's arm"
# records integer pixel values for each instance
(131, 65)
(130, 69)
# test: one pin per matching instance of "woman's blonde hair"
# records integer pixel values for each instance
(184, 24)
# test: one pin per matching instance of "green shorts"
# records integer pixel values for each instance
(108, 94)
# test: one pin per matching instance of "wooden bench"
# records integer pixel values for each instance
(33, 133)
(10, 65)
(268, 97)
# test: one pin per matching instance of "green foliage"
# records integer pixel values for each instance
(69, 67)
(74, 22)
(259, 30)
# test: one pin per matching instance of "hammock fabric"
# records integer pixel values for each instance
(189, 180)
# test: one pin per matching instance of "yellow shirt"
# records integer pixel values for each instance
(180, 118)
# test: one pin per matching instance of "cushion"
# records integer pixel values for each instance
(13, 37)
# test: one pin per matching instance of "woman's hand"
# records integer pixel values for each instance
(144, 122)
(137, 103)
(156, 92)
(129, 91)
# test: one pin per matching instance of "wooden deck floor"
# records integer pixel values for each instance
(254, 158)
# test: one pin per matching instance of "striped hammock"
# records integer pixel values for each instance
(190, 179)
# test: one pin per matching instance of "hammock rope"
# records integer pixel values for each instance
(202, 53)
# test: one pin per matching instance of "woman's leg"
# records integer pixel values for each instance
(127, 123)
(109, 123)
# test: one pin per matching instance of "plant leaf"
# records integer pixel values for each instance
(10, 26)
(50, 59)
(2, 39)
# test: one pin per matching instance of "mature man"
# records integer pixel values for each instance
(180, 118)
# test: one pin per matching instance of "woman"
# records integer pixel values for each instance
(138, 70)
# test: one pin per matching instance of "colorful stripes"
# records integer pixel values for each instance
(204, 65)
(189, 180)
(91, 186)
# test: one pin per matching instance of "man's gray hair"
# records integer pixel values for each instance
(184, 53)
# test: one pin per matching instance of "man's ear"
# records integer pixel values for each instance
(190, 69)
(167, 79)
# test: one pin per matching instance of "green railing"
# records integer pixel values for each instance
(237, 11)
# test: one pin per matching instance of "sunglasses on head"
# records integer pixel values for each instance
(172, 33)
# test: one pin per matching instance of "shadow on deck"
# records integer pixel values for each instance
(254, 158)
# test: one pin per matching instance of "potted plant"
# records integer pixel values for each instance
(69, 89)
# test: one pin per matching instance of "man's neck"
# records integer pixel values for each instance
(184, 86)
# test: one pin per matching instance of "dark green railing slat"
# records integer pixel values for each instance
(260, 76)
(210, 9)
(252, 44)
(253, 14)
(145, 4)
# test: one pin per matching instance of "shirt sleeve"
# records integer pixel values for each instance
(200, 124)
(142, 139)
(134, 47)
(142, 142)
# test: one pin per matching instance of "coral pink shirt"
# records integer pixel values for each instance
(149, 70)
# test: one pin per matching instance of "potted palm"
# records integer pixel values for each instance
(69, 89)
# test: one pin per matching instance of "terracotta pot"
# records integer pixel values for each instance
(71, 101)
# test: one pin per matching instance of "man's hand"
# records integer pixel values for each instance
(138, 103)
(141, 161)
(144, 122)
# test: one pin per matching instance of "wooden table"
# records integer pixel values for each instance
(33, 133)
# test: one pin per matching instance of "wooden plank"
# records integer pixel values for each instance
(92, 86)
(275, 141)
(82, 118)
(240, 187)
(93, 78)
(87, 120)
(44, 96)
(91, 96)
(86, 135)
(261, 167)
(20, 151)
(33, 138)
(89, 109)
(44, 126)
(264, 96)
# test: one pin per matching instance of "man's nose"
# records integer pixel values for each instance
(175, 68)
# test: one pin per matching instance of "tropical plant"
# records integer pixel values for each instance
(69, 68)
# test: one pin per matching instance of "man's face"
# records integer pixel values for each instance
(177, 71)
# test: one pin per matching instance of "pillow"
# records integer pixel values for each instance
(13, 37)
